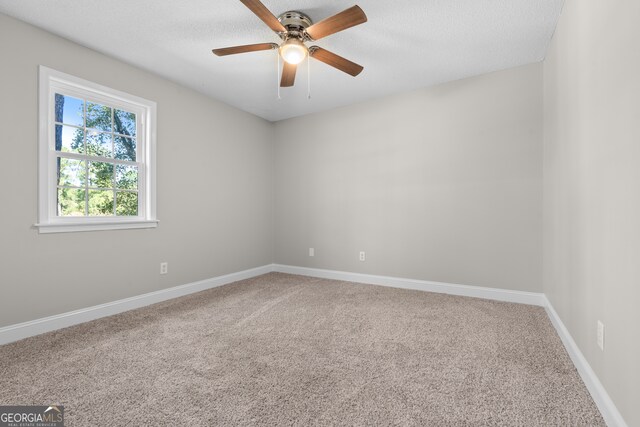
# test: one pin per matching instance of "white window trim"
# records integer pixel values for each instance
(51, 81)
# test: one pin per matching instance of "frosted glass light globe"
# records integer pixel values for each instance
(293, 51)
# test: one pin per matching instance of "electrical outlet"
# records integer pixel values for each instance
(362, 256)
(164, 267)
(312, 252)
(600, 335)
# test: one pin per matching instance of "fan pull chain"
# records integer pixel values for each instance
(308, 77)
(278, 73)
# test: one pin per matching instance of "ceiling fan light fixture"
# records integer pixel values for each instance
(293, 51)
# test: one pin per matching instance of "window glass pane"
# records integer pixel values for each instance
(71, 172)
(98, 117)
(124, 123)
(125, 148)
(126, 203)
(127, 177)
(100, 202)
(71, 201)
(100, 175)
(69, 139)
(99, 144)
(69, 110)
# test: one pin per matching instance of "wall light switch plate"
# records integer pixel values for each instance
(312, 252)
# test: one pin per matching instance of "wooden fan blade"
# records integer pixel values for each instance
(343, 20)
(263, 13)
(288, 75)
(244, 49)
(335, 61)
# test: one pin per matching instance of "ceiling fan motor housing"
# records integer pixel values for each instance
(295, 22)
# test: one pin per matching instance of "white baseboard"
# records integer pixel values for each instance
(47, 324)
(603, 401)
(521, 297)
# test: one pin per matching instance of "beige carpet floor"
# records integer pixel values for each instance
(290, 350)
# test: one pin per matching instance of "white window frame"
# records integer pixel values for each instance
(52, 82)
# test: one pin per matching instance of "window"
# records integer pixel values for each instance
(96, 157)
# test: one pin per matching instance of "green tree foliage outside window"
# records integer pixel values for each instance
(100, 187)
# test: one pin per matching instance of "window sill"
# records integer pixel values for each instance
(69, 227)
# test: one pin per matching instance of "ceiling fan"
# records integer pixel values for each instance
(295, 29)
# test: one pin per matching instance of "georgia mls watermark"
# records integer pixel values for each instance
(32, 416)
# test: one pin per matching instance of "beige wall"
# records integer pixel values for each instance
(214, 189)
(592, 188)
(440, 184)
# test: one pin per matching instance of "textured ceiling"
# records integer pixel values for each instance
(406, 44)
